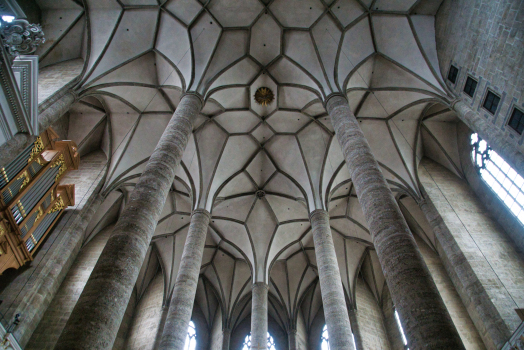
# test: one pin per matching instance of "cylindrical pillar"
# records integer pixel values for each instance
(333, 300)
(259, 316)
(491, 134)
(426, 321)
(226, 337)
(181, 305)
(55, 111)
(355, 328)
(98, 313)
(292, 339)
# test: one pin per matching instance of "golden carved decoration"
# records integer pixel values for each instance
(4, 174)
(60, 161)
(37, 149)
(39, 214)
(26, 177)
(59, 205)
(264, 96)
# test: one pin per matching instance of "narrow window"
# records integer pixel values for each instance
(470, 87)
(501, 177)
(452, 74)
(270, 343)
(517, 120)
(190, 337)
(491, 102)
(404, 340)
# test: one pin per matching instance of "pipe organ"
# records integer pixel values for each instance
(32, 198)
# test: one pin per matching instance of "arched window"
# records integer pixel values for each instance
(191, 337)
(270, 343)
(501, 177)
(324, 339)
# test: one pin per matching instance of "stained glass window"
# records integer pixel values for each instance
(500, 176)
(270, 343)
(191, 337)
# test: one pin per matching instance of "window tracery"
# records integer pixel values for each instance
(191, 337)
(324, 339)
(499, 176)
(270, 343)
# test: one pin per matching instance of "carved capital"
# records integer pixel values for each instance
(21, 37)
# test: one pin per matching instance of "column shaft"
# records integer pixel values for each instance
(292, 339)
(355, 329)
(491, 134)
(226, 337)
(181, 305)
(259, 316)
(333, 300)
(98, 313)
(56, 110)
(426, 321)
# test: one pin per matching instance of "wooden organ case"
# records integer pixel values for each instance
(31, 199)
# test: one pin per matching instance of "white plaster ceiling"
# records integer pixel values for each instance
(141, 55)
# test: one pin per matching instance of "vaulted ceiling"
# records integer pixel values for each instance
(258, 169)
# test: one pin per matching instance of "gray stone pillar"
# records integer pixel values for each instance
(226, 338)
(333, 300)
(55, 111)
(484, 313)
(181, 305)
(492, 134)
(355, 328)
(292, 339)
(259, 316)
(98, 313)
(426, 321)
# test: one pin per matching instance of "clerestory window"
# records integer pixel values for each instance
(452, 74)
(191, 337)
(270, 343)
(516, 122)
(500, 176)
(470, 87)
(491, 102)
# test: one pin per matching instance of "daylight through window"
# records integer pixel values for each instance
(270, 343)
(404, 340)
(501, 177)
(324, 339)
(191, 337)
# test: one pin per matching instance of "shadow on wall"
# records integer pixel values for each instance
(53, 78)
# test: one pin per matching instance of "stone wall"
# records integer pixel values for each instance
(468, 333)
(55, 77)
(50, 327)
(493, 259)
(146, 320)
(34, 287)
(302, 334)
(216, 335)
(370, 319)
(484, 39)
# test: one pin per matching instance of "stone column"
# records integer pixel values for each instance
(259, 316)
(492, 134)
(226, 337)
(292, 339)
(98, 313)
(55, 111)
(426, 321)
(333, 300)
(484, 313)
(183, 297)
(355, 328)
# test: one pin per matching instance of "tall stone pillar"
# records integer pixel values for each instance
(426, 321)
(181, 305)
(226, 338)
(259, 316)
(55, 111)
(355, 329)
(292, 339)
(491, 134)
(98, 313)
(333, 300)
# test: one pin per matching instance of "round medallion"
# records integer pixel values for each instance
(264, 96)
